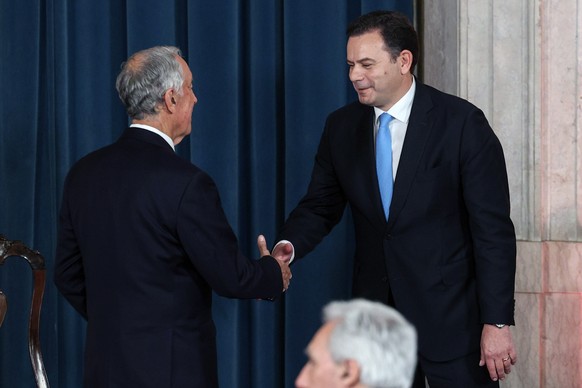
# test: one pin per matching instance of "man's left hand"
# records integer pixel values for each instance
(497, 351)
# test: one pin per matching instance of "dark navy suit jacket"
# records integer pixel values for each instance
(446, 256)
(142, 243)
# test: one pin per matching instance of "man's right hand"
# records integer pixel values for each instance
(282, 254)
(286, 273)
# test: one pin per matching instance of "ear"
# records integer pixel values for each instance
(170, 100)
(351, 373)
(405, 61)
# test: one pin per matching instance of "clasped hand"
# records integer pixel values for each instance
(282, 254)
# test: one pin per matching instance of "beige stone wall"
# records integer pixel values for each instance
(521, 62)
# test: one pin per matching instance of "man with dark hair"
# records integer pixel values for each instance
(143, 241)
(425, 177)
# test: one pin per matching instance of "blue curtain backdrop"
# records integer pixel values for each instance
(266, 73)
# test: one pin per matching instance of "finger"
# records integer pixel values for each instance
(492, 370)
(500, 369)
(286, 274)
(262, 245)
(507, 366)
(513, 358)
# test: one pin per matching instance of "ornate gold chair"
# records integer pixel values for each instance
(16, 248)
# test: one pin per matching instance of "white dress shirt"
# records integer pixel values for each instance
(401, 114)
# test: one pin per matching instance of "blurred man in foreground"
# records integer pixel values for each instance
(361, 344)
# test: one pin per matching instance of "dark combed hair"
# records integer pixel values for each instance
(396, 30)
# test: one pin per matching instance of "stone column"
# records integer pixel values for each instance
(521, 62)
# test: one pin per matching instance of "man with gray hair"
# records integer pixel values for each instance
(362, 344)
(143, 241)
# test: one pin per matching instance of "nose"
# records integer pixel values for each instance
(355, 74)
(300, 381)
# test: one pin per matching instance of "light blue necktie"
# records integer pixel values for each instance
(384, 161)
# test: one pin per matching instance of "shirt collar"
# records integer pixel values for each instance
(400, 110)
(167, 138)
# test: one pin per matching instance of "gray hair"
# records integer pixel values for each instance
(146, 76)
(377, 337)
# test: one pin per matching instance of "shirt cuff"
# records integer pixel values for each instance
(287, 242)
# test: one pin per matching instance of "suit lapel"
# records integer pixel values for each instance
(413, 150)
(365, 148)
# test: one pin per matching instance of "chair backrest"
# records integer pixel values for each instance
(2, 307)
(16, 248)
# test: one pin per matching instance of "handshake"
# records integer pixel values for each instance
(283, 253)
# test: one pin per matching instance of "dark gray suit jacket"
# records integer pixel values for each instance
(142, 243)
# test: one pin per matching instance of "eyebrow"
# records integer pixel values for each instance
(363, 60)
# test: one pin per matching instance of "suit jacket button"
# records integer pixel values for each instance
(388, 236)
(385, 279)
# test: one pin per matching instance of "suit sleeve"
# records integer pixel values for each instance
(69, 275)
(322, 206)
(486, 197)
(212, 247)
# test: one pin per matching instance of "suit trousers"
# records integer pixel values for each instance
(462, 372)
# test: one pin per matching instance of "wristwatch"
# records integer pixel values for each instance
(500, 325)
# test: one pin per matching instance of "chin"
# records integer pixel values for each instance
(366, 101)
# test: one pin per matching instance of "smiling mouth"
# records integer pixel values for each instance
(362, 91)
(361, 88)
